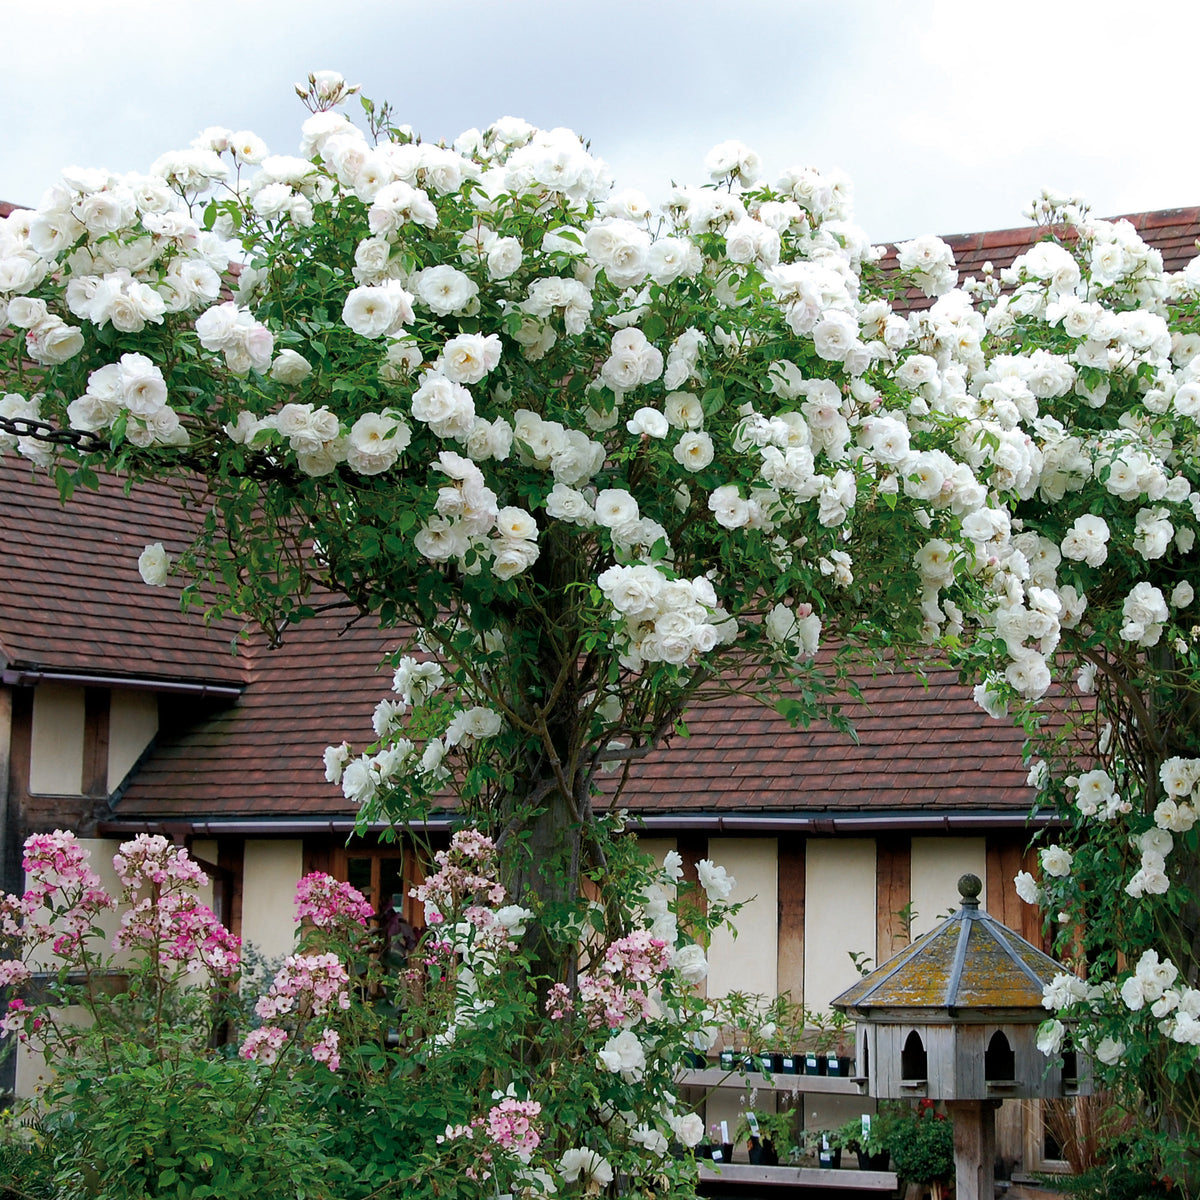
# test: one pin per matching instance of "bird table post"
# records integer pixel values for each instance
(954, 1017)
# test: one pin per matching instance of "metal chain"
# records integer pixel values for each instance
(43, 431)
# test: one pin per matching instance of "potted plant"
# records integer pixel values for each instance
(922, 1144)
(865, 1137)
(766, 1135)
(821, 1143)
(720, 1148)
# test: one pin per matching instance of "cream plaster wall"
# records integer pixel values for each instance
(56, 756)
(749, 964)
(657, 848)
(132, 724)
(937, 863)
(271, 871)
(839, 914)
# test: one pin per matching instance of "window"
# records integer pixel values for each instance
(385, 875)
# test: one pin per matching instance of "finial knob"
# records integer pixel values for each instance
(969, 888)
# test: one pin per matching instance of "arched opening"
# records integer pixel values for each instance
(1070, 1067)
(999, 1061)
(914, 1063)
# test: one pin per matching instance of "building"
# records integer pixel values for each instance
(120, 714)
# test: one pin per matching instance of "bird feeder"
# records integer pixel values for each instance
(954, 1017)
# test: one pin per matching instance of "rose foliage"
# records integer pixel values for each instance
(597, 461)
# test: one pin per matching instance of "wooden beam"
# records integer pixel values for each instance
(96, 734)
(893, 891)
(790, 963)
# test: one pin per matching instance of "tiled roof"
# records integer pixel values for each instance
(919, 747)
(72, 598)
(1172, 231)
(262, 756)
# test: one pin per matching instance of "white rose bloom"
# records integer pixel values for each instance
(504, 258)
(468, 357)
(688, 1128)
(1178, 817)
(1056, 861)
(694, 450)
(336, 758)
(445, 290)
(1110, 1051)
(1144, 612)
(360, 781)
(1182, 595)
(567, 504)
(467, 727)
(717, 884)
(447, 408)
(624, 1054)
(375, 442)
(513, 522)
(374, 311)
(290, 368)
(621, 249)
(728, 507)
(648, 421)
(615, 507)
(1157, 842)
(1027, 888)
(595, 1170)
(632, 591)
(690, 962)
(1093, 791)
(154, 565)
(733, 158)
(1050, 1037)
(53, 341)
(1179, 775)
(683, 410)
(1063, 990)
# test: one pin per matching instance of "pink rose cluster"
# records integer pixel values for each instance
(511, 1124)
(62, 887)
(167, 918)
(306, 985)
(464, 871)
(181, 930)
(328, 903)
(149, 860)
(614, 996)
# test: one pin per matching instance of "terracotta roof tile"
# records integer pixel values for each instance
(73, 599)
(1172, 231)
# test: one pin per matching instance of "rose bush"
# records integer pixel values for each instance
(604, 461)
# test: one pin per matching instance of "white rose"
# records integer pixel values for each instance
(290, 368)
(690, 962)
(623, 1053)
(154, 564)
(694, 450)
(1027, 888)
(1056, 861)
(648, 421)
(717, 884)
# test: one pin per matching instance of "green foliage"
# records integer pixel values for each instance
(921, 1141)
(138, 1124)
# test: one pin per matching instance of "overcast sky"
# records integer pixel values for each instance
(949, 115)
